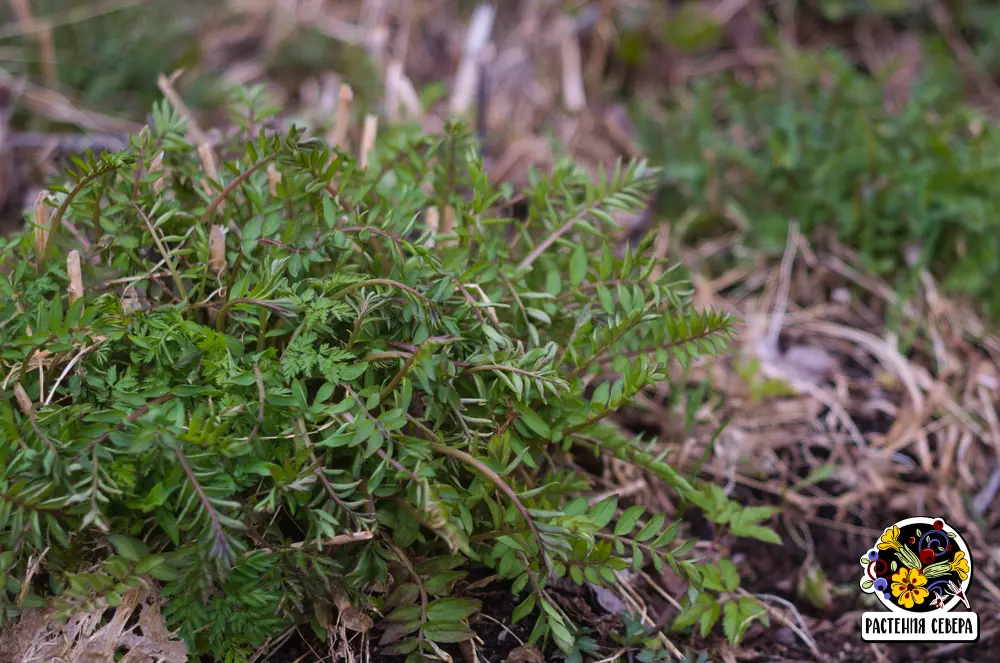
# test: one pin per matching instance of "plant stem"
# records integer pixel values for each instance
(222, 547)
(589, 422)
(361, 284)
(501, 485)
(242, 177)
(57, 218)
(562, 230)
(388, 389)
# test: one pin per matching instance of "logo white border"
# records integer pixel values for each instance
(923, 520)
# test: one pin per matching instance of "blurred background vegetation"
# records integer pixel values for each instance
(858, 115)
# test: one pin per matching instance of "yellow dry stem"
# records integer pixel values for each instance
(75, 276)
(217, 250)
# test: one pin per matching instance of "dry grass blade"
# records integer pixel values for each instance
(467, 78)
(78, 15)
(217, 249)
(59, 108)
(166, 85)
(43, 32)
(431, 218)
(574, 97)
(75, 276)
(368, 135)
(41, 221)
(338, 134)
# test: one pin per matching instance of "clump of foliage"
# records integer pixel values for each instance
(334, 404)
(910, 187)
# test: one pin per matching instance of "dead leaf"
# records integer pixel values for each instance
(83, 639)
(341, 599)
(524, 654)
(608, 600)
(356, 620)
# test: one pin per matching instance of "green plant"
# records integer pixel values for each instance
(909, 188)
(274, 392)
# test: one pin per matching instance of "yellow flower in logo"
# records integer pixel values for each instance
(890, 539)
(908, 587)
(960, 565)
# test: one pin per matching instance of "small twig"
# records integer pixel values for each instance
(77, 235)
(33, 564)
(28, 408)
(30, 140)
(490, 306)
(338, 540)
(627, 490)
(393, 71)
(614, 657)
(600, 42)
(318, 471)
(472, 302)
(60, 108)
(502, 626)
(798, 628)
(984, 498)
(727, 9)
(67, 369)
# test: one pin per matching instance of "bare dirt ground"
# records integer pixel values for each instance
(856, 436)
